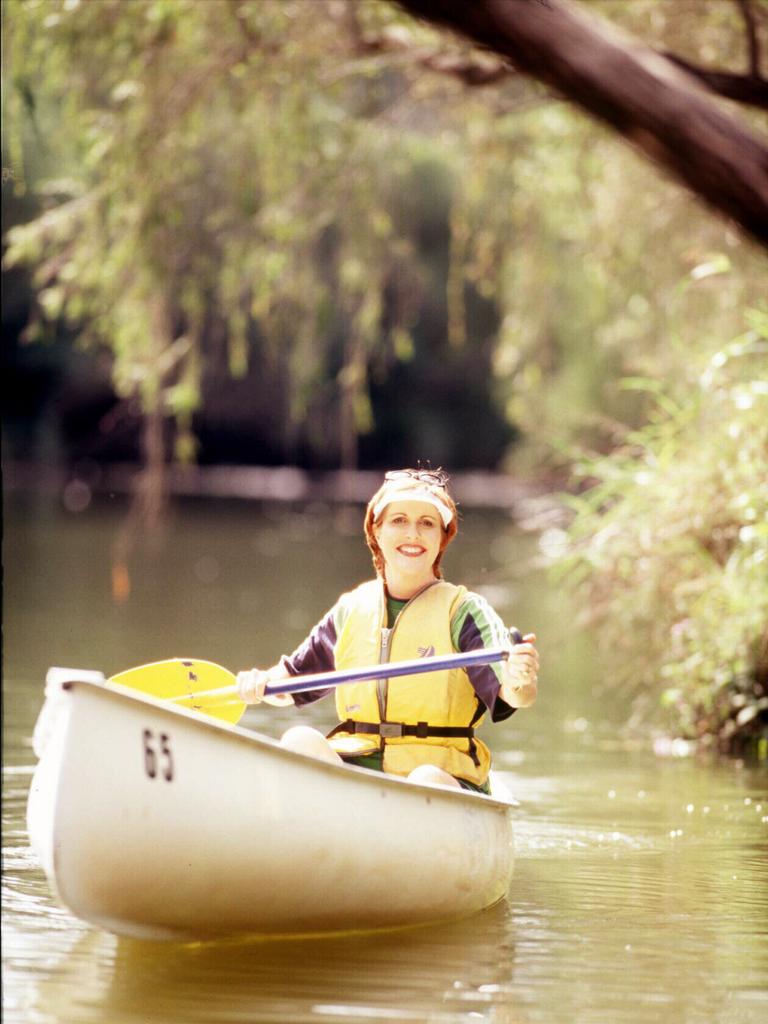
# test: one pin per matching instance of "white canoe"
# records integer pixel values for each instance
(153, 821)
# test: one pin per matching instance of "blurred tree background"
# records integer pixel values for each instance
(322, 233)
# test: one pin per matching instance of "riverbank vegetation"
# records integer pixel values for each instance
(328, 234)
(668, 550)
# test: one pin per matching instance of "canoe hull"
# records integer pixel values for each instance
(154, 822)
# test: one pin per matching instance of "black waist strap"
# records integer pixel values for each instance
(396, 729)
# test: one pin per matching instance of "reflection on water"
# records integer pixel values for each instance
(641, 885)
(403, 976)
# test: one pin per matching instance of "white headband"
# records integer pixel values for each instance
(413, 494)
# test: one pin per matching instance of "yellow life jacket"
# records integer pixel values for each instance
(444, 700)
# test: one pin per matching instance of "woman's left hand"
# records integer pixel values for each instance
(520, 674)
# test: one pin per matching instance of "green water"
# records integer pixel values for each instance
(641, 883)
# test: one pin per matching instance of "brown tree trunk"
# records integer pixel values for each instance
(351, 379)
(657, 106)
(150, 488)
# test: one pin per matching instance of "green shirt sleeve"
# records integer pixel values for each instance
(475, 624)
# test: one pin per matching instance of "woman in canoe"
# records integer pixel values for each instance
(418, 726)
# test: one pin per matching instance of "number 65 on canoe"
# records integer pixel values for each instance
(210, 689)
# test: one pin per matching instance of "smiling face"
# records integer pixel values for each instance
(409, 534)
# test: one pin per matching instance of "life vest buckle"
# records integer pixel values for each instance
(388, 730)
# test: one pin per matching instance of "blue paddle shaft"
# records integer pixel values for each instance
(387, 670)
(322, 680)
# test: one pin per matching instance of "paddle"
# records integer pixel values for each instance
(179, 679)
(186, 681)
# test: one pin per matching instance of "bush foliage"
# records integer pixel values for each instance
(668, 551)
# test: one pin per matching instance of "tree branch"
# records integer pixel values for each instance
(475, 69)
(749, 89)
(655, 105)
(752, 40)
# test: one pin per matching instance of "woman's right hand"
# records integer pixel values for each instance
(252, 684)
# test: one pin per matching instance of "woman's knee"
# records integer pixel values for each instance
(305, 740)
(431, 775)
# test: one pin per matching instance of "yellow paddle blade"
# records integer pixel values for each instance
(184, 677)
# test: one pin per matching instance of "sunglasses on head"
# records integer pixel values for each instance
(437, 477)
